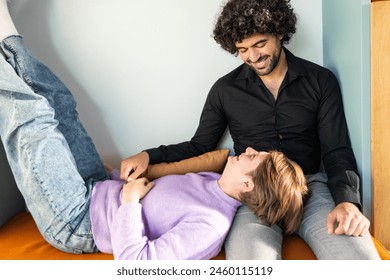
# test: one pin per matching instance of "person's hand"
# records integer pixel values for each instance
(135, 190)
(347, 219)
(132, 167)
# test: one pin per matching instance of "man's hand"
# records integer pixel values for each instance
(135, 190)
(347, 219)
(134, 166)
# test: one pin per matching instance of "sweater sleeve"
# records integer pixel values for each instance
(190, 239)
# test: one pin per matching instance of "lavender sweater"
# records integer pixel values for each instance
(182, 217)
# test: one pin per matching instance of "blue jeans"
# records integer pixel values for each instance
(54, 161)
(250, 238)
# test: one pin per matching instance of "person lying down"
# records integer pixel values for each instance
(188, 216)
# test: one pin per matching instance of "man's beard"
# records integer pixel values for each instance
(273, 62)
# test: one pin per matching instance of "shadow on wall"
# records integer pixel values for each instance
(38, 38)
(8, 191)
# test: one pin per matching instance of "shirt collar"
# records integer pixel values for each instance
(295, 68)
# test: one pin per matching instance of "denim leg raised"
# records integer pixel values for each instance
(250, 238)
(39, 155)
(44, 82)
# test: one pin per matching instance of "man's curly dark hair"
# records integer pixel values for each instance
(240, 19)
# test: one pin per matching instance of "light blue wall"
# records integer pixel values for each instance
(141, 70)
(347, 52)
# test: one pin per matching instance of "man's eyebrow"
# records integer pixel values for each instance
(258, 42)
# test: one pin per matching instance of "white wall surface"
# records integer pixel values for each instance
(141, 70)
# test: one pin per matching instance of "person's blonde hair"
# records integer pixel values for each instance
(278, 195)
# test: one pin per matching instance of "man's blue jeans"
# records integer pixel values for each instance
(54, 161)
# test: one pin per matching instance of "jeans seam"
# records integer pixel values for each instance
(55, 210)
(19, 62)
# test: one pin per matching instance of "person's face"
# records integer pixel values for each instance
(236, 177)
(246, 162)
(261, 52)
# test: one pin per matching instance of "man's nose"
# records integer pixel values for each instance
(253, 55)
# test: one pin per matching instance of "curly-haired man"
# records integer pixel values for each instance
(277, 101)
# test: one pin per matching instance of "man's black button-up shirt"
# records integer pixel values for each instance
(306, 122)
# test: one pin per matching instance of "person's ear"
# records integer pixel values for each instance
(248, 185)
